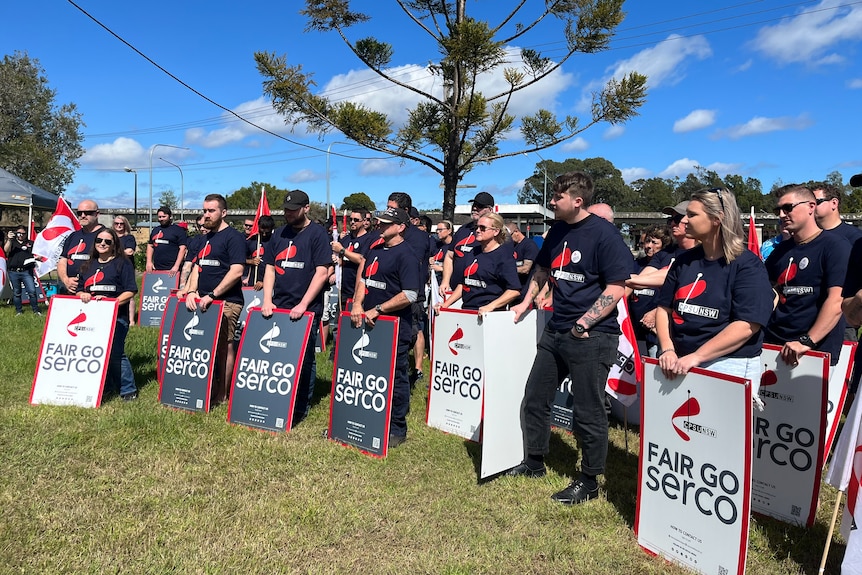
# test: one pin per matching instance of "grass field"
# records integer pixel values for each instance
(138, 488)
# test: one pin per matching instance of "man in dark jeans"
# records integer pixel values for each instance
(20, 263)
(589, 263)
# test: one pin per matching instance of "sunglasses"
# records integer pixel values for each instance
(787, 208)
(676, 219)
(106, 241)
(718, 191)
(821, 200)
(86, 213)
(119, 224)
(249, 226)
(482, 228)
(356, 220)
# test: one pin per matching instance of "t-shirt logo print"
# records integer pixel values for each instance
(203, 254)
(469, 271)
(458, 247)
(784, 278)
(686, 293)
(284, 256)
(94, 279)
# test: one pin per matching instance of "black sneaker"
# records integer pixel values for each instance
(522, 469)
(575, 493)
(130, 396)
(396, 440)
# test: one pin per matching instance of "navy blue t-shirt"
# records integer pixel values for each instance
(253, 250)
(847, 231)
(802, 276)
(439, 255)
(464, 240)
(388, 272)
(643, 300)
(128, 242)
(525, 250)
(195, 245)
(166, 242)
(295, 257)
(706, 296)
(418, 242)
(110, 280)
(76, 249)
(357, 245)
(487, 276)
(583, 258)
(220, 251)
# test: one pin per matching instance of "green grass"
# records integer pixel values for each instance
(139, 488)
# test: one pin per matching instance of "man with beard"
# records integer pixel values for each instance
(166, 249)
(390, 277)
(217, 275)
(298, 260)
(77, 246)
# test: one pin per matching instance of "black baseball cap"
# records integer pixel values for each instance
(856, 181)
(483, 199)
(393, 216)
(295, 199)
(413, 213)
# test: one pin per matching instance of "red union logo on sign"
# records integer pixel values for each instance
(686, 410)
(457, 336)
(74, 324)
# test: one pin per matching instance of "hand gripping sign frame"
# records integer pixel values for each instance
(789, 436)
(364, 359)
(694, 469)
(77, 337)
(191, 348)
(156, 287)
(268, 363)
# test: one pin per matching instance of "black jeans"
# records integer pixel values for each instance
(588, 360)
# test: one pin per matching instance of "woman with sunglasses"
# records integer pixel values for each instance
(490, 277)
(127, 240)
(109, 274)
(716, 297)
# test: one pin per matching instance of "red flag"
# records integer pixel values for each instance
(753, 245)
(49, 242)
(262, 210)
(344, 222)
(2, 268)
(333, 215)
(32, 231)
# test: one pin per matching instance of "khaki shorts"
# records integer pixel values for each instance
(230, 319)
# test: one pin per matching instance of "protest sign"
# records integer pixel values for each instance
(268, 364)
(694, 473)
(250, 298)
(189, 368)
(456, 381)
(165, 332)
(839, 379)
(76, 347)
(155, 289)
(789, 436)
(361, 399)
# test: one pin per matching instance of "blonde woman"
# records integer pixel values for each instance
(716, 297)
(490, 277)
(123, 229)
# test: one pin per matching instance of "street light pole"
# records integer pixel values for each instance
(182, 186)
(136, 192)
(150, 209)
(544, 193)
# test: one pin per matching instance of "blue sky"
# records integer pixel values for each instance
(769, 89)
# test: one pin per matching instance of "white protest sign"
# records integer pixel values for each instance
(789, 436)
(76, 346)
(839, 379)
(694, 475)
(457, 374)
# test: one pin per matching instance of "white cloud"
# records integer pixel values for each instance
(305, 176)
(614, 132)
(259, 111)
(696, 120)
(855, 84)
(745, 65)
(762, 125)
(723, 168)
(662, 64)
(679, 168)
(814, 31)
(116, 155)
(576, 145)
(632, 174)
(380, 168)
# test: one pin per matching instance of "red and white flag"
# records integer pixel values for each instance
(335, 238)
(3, 268)
(262, 210)
(32, 231)
(753, 244)
(627, 373)
(49, 242)
(845, 474)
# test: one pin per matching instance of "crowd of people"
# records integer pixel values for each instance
(697, 296)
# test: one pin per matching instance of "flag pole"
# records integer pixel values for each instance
(829, 535)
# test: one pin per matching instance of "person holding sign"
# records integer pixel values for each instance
(716, 297)
(166, 249)
(298, 259)
(108, 273)
(388, 284)
(77, 247)
(490, 281)
(588, 262)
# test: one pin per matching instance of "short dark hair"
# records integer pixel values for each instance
(363, 213)
(803, 191)
(165, 209)
(425, 221)
(267, 222)
(403, 199)
(217, 198)
(830, 192)
(576, 184)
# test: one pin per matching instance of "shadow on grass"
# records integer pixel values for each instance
(803, 545)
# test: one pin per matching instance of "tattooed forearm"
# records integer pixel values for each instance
(603, 306)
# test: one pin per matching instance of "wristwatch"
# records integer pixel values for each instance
(806, 340)
(379, 309)
(341, 253)
(579, 329)
(212, 295)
